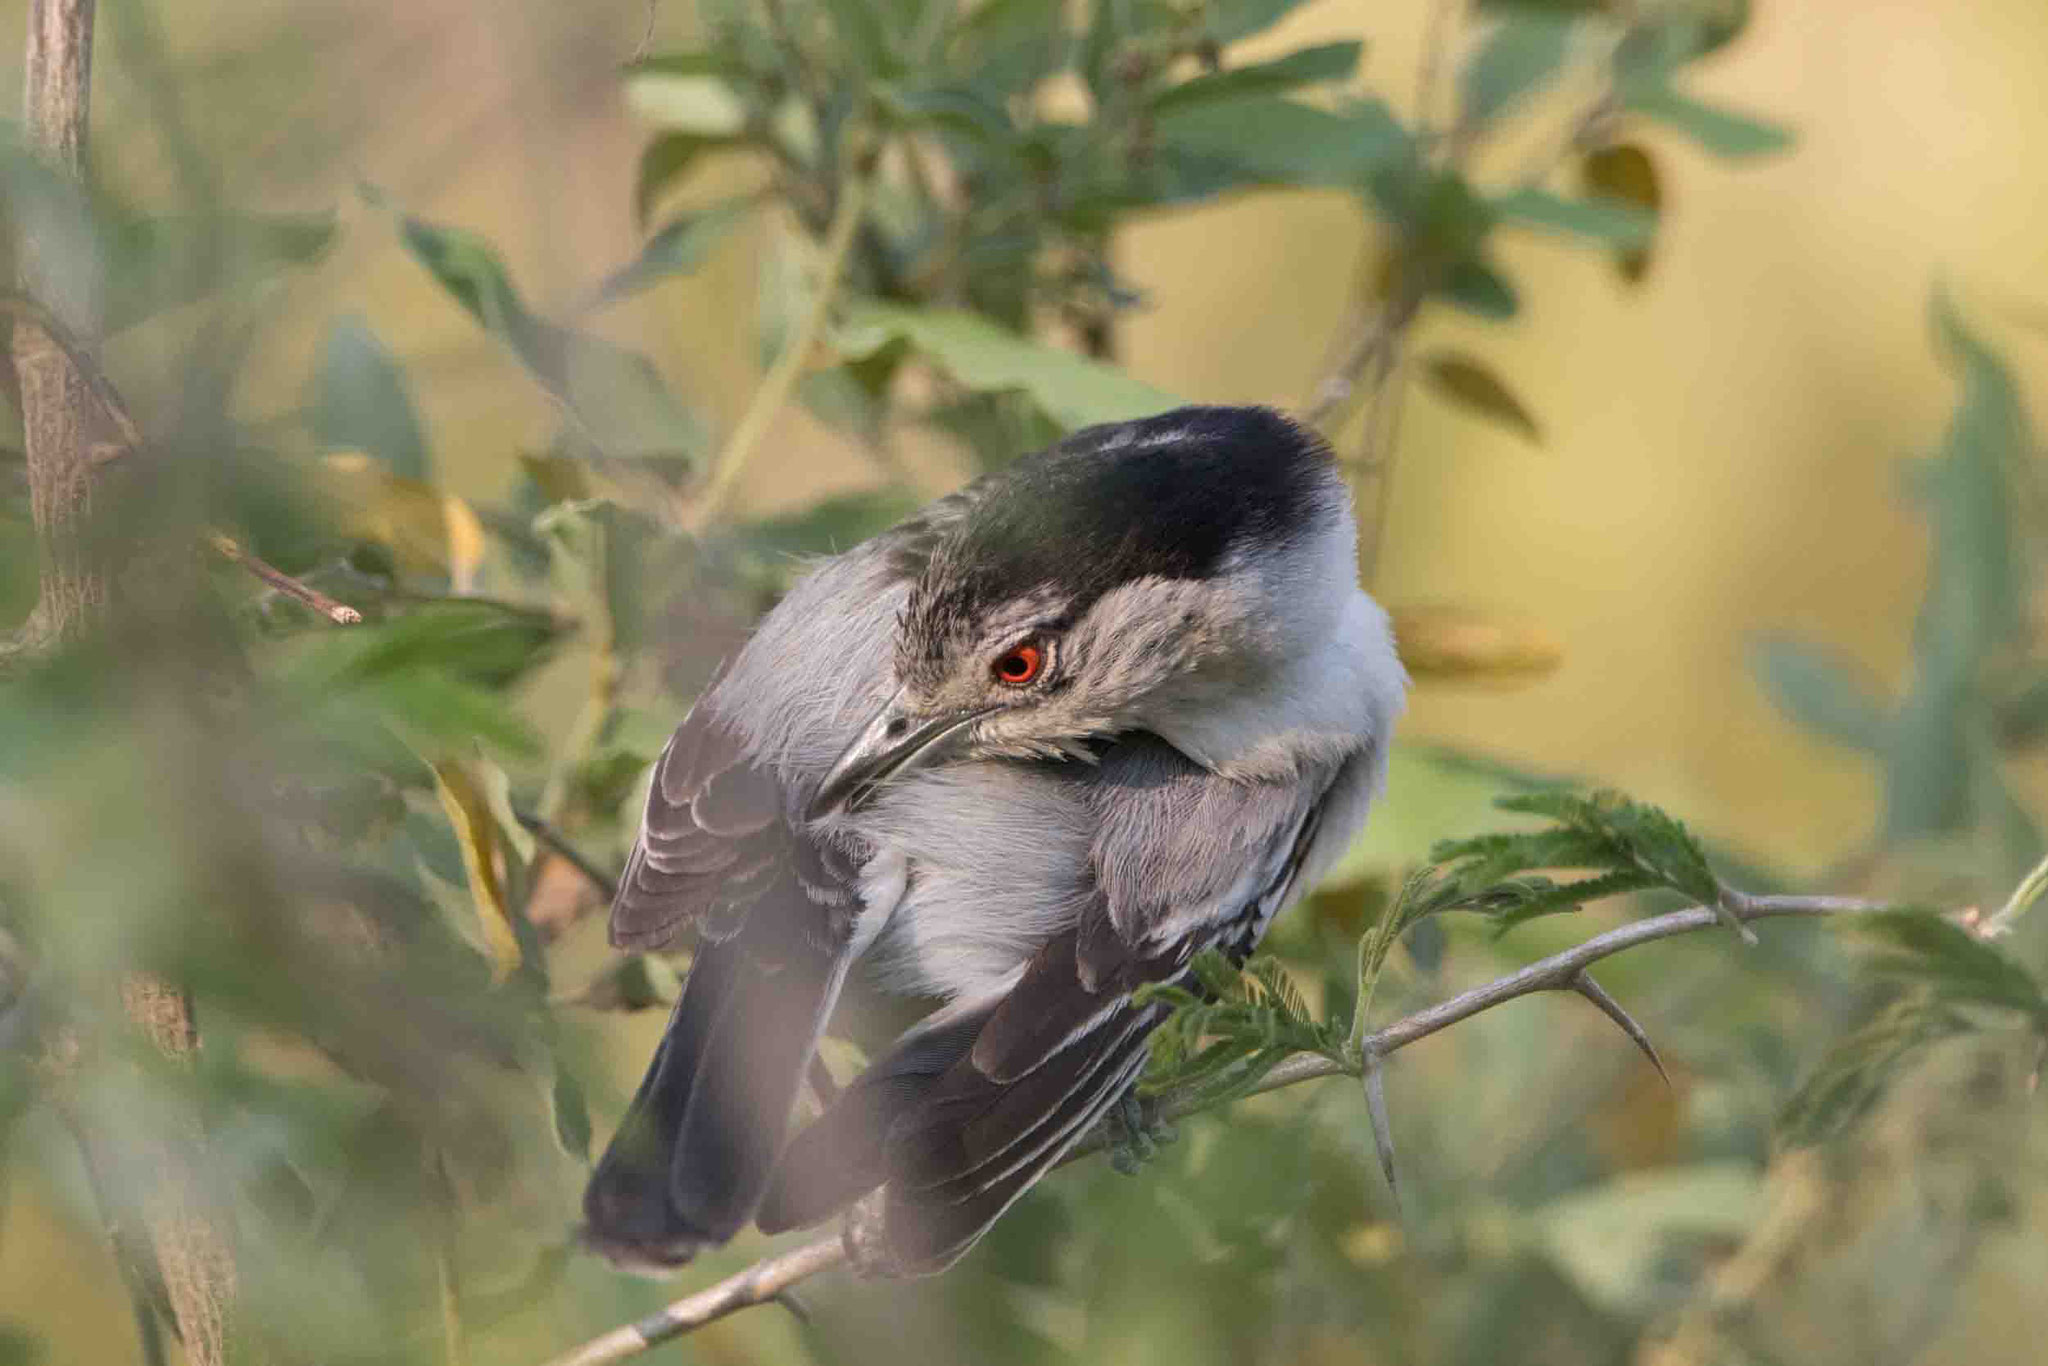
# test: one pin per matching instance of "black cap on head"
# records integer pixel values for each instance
(1168, 496)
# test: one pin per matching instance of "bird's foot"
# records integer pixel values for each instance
(867, 1246)
(1137, 1131)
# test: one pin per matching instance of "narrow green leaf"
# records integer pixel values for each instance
(1472, 384)
(1857, 1072)
(572, 1113)
(663, 162)
(1520, 56)
(861, 27)
(678, 248)
(1626, 173)
(1720, 131)
(1607, 221)
(1073, 390)
(1270, 140)
(1823, 692)
(1307, 66)
(1479, 289)
(617, 400)
(362, 402)
(1926, 950)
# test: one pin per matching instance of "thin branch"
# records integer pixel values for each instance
(2018, 904)
(761, 1283)
(770, 1277)
(559, 845)
(23, 308)
(340, 613)
(777, 385)
(1436, 38)
(640, 49)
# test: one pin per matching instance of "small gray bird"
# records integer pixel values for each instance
(1026, 752)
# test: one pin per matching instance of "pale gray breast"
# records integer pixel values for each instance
(986, 861)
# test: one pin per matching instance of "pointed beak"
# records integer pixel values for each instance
(897, 740)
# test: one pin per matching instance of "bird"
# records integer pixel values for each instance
(1032, 749)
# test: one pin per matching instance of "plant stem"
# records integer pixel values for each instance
(780, 381)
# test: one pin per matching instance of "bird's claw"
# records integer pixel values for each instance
(1137, 1131)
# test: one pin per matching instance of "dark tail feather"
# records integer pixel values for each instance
(695, 1152)
(838, 1157)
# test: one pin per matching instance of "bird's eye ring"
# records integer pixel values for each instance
(1019, 665)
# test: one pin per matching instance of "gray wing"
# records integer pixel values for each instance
(1185, 861)
(715, 839)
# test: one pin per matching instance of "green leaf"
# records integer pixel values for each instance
(571, 1111)
(861, 28)
(362, 402)
(1720, 131)
(1607, 221)
(1073, 390)
(1307, 66)
(1520, 56)
(663, 162)
(1265, 139)
(1926, 950)
(678, 248)
(1595, 830)
(1856, 1073)
(155, 264)
(1472, 385)
(956, 108)
(1823, 692)
(616, 398)
(1624, 172)
(1479, 289)
(689, 92)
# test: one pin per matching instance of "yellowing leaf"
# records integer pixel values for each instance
(1472, 385)
(466, 799)
(465, 543)
(1625, 172)
(1462, 645)
(424, 528)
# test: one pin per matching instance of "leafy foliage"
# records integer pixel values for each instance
(325, 834)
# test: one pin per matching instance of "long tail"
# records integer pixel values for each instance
(695, 1152)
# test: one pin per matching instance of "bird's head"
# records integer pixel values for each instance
(1158, 575)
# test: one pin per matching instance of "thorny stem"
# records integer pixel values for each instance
(777, 384)
(771, 1277)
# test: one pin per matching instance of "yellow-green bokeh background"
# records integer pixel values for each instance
(1721, 441)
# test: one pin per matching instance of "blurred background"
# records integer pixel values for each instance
(1692, 455)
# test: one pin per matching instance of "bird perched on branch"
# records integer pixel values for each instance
(1026, 752)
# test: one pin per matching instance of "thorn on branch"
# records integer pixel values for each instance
(1732, 907)
(1582, 982)
(1373, 1078)
(558, 844)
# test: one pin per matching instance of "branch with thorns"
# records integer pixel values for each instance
(770, 1279)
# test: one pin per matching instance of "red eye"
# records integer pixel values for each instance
(1019, 666)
